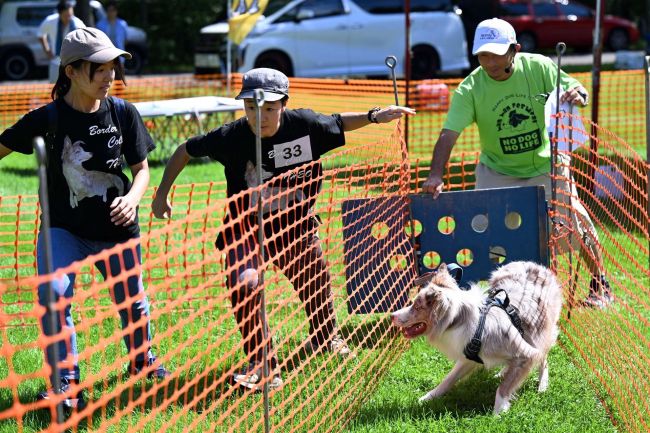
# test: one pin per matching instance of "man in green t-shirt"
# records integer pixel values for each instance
(505, 96)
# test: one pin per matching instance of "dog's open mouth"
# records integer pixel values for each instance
(414, 330)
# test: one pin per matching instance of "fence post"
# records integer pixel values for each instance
(50, 312)
(647, 135)
(266, 373)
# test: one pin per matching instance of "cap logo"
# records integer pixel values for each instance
(491, 34)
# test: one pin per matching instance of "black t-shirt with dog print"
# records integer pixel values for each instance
(303, 137)
(84, 170)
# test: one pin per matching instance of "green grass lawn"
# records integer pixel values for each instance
(570, 405)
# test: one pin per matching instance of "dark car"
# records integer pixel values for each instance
(542, 24)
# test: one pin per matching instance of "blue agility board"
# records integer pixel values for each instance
(478, 229)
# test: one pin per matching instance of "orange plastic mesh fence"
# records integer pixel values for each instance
(611, 344)
(194, 334)
(621, 105)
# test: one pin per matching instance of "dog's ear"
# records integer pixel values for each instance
(443, 278)
(424, 279)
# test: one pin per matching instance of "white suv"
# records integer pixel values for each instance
(21, 51)
(318, 38)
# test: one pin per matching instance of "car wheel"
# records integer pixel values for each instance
(424, 62)
(16, 65)
(275, 60)
(527, 41)
(618, 40)
(133, 66)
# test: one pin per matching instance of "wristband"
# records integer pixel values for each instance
(372, 114)
(585, 96)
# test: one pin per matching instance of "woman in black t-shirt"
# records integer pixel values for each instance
(93, 204)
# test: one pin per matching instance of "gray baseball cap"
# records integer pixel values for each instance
(89, 44)
(274, 84)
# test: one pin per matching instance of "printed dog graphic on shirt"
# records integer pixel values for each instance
(84, 183)
(274, 197)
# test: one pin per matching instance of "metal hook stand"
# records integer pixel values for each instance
(50, 309)
(259, 102)
(391, 62)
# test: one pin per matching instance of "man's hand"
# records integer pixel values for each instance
(433, 185)
(576, 96)
(161, 207)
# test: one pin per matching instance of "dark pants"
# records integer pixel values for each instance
(299, 256)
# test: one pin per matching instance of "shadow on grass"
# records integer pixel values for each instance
(469, 398)
(19, 171)
(210, 386)
(372, 334)
(473, 397)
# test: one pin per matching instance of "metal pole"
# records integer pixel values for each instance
(560, 48)
(391, 62)
(259, 102)
(595, 97)
(647, 132)
(50, 301)
(228, 51)
(407, 65)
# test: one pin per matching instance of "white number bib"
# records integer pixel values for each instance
(292, 153)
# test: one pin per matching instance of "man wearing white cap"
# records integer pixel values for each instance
(505, 96)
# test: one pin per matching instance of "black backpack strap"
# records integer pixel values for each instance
(120, 110)
(52, 123)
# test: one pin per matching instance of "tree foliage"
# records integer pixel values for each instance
(172, 27)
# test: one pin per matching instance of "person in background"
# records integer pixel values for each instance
(505, 97)
(291, 140)
(52, 31)
(93, 203)
(473, 12)
(114, 26)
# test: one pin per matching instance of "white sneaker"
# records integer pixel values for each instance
(251, 378)
(335, 345)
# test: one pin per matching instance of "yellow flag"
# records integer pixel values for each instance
(244, 16)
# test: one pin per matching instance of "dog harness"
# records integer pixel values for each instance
(472, 348)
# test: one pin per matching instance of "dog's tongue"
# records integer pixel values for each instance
(415, 330)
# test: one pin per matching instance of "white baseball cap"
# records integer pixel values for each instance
(494, 36)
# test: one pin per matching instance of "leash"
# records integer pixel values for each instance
(472, 348)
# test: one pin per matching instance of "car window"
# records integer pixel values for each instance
(575, 9)
(33, 16)
(514, 9)
(315, 9)
(322, 8)
(397, 6)
(545, 10)
(430, 5)
(273, 6)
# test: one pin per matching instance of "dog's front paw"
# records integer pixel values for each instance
(501, 404)
(428, 396)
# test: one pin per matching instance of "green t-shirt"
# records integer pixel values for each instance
(510, 114)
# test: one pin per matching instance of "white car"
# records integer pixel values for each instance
(322, 38)
(21, 51)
